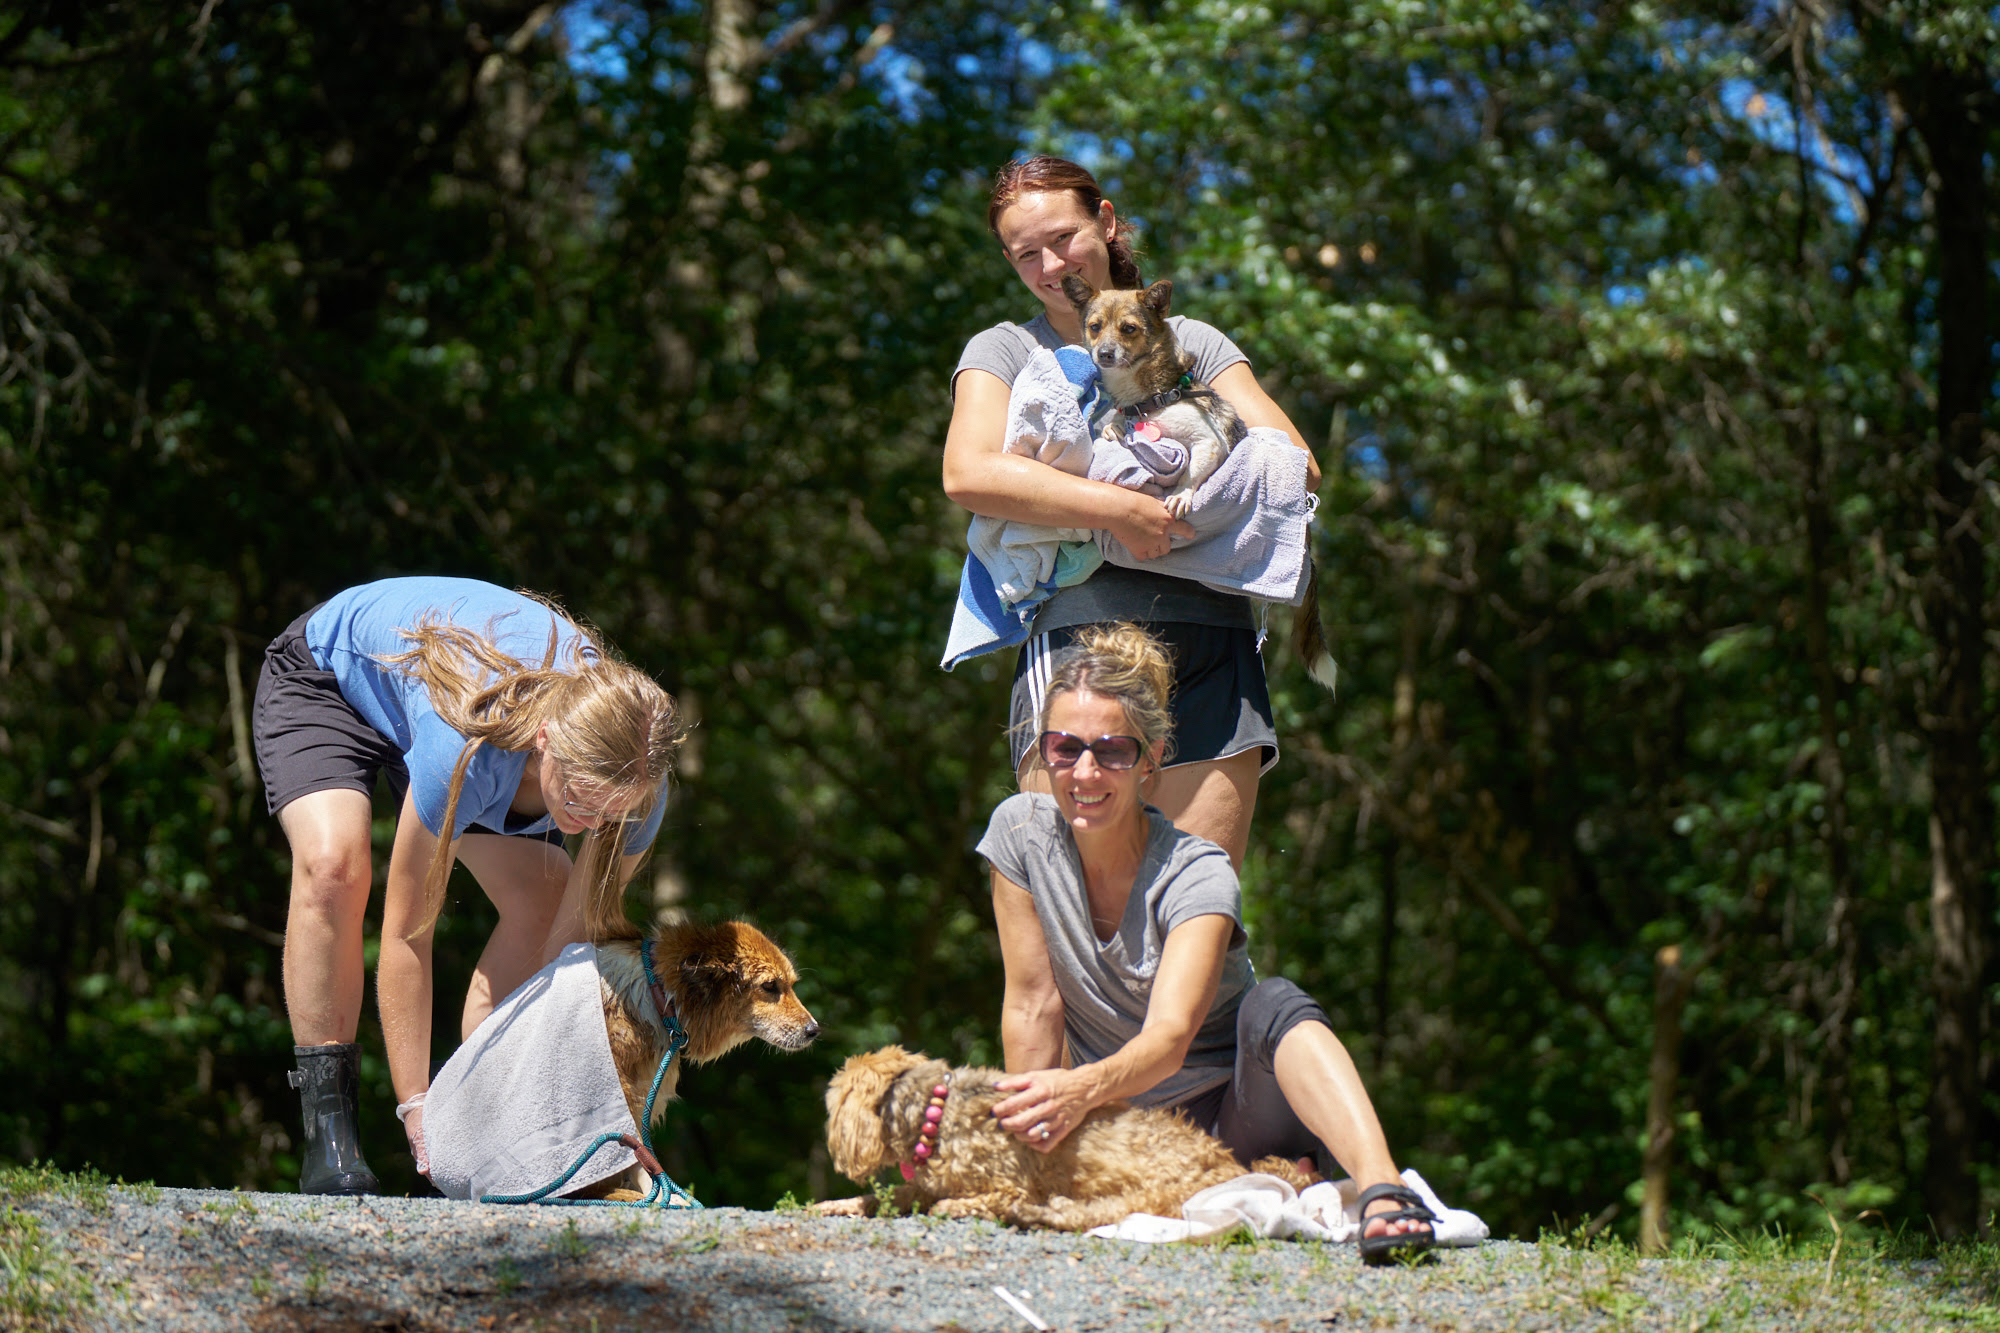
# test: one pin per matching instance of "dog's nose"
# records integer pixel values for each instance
(1107, 356)
(812, 1030)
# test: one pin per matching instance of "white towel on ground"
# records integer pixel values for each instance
(1270, 1208)
(530, 1090)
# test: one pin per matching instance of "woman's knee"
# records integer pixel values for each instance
(1269, 1011)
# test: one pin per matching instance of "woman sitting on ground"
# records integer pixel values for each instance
(1128, 976)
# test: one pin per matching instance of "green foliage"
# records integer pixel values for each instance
(1626, 533)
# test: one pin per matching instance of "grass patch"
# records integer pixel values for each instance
(39, 1286)
(89, 1187)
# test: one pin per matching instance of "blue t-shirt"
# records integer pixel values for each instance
(355, 629)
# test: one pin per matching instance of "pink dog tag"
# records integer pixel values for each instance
(1147, 430)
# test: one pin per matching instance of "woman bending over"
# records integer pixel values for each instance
(502, 725)
(1128, 975)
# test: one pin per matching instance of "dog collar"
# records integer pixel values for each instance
(1164, 398)
(927, 1137)
(663, 1006)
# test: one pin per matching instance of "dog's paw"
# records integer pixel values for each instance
(956, 1208)
(623, 1196)
(1179, 503)
(861, 1207)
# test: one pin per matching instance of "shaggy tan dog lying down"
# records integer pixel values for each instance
(1120, 1160)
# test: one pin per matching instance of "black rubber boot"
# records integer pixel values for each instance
(328, 1079)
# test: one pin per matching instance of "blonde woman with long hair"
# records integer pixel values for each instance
(502, 725)
(1128, 969)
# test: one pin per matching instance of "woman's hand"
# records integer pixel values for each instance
(1148, 528)
(411, 1113)
(1047, 1104)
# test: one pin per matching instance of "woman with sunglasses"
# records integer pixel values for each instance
(502, 725)
(1128, 972)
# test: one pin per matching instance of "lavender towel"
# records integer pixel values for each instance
(1250, 518)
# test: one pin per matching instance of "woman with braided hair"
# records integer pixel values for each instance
(502, 725)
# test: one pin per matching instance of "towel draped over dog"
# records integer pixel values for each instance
(1270, 1208)
(530, 1089)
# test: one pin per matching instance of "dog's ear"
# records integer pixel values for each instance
(706, 975)
(856, 1134)
(1079, 293)
(1159, 297)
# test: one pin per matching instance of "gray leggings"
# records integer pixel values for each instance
(1249, 1113)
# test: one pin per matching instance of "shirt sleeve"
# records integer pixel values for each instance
(1211, 348)
(1205, 885)
(1005, 845)
(1002, 350)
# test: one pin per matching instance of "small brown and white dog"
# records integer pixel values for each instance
(1149, 376)
(1121, 1160)
(724, 983)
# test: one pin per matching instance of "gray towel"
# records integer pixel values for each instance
(530, 1089)
(1044, 423)
(1250, 519)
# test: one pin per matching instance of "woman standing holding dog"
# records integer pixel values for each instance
(1126, 958)
(502, 725)
(1052, 220)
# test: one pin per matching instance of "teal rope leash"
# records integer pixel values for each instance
(664, 1193)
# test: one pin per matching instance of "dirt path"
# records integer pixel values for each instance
(139, 1258)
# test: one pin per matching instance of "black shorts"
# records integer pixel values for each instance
(1220, 703)
(1249, 1113)
(309, 738)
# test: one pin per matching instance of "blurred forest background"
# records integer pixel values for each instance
(1646, 856)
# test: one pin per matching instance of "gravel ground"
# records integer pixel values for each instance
(186, 1260)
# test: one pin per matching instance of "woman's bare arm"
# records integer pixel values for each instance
(1239, 385)
(1031, 1013)
(403, 968)
(1183, 991)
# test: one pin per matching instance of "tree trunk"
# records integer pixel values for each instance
(1948, 120)
(1843, 939)
(1670, 991)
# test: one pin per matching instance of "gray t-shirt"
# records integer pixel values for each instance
(1106, 985)
(1114, 592)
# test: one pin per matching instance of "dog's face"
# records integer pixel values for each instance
(736, 977)
(868, 1105)
(1123, 329)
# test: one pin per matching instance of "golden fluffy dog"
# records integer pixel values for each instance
(726, 984)
(1120, 1160)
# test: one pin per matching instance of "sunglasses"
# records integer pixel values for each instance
(1116, 753)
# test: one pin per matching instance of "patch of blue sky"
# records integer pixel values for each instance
(1366, 458)
(595, 50)
(900, 77)
(1835, 167)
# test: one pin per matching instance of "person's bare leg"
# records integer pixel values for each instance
(1213, 799)
(525, 878)
(1323, 1087)
(324, 975)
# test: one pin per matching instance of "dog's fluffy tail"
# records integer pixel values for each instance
(1309, 636)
